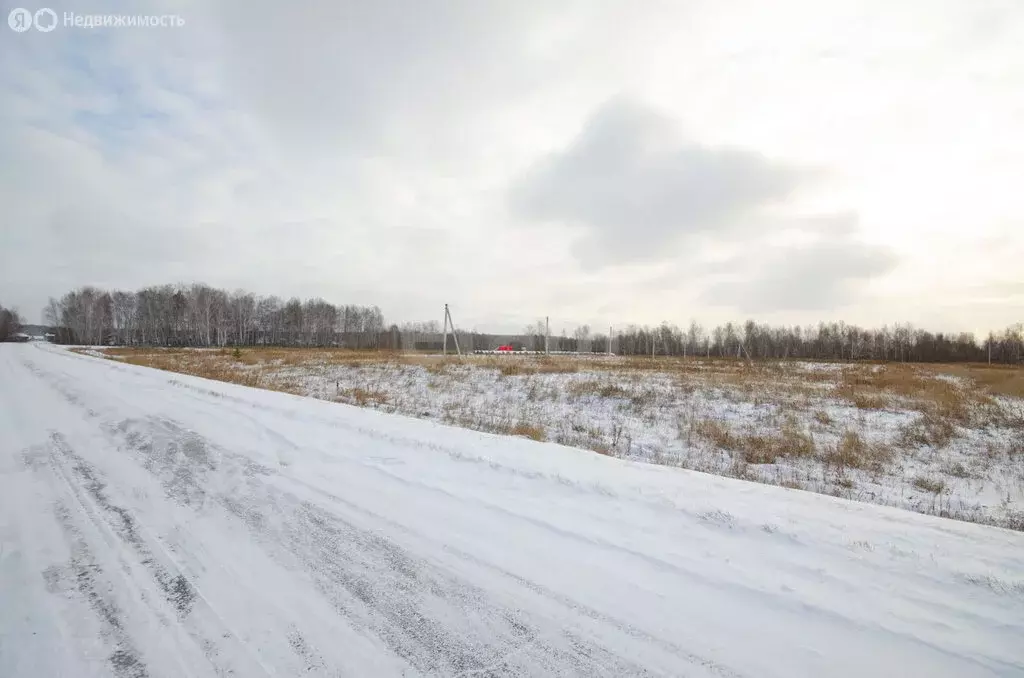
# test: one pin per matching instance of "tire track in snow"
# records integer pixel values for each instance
(342, 559)
(60, 386)
(551, 595)
(82, 577)
(177, 589)
(209, 632)
(89, 492)
(435, 621)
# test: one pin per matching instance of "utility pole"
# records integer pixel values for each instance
(448, 322)
(609, 340)
(547, 333)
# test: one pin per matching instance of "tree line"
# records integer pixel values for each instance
(825, 341)
(199, 315)
(10, 323)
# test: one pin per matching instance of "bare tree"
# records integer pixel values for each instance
(10, 323)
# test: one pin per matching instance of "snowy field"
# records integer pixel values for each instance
(156, 524)
(898, 435)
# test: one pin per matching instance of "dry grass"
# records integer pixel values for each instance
(717, 432)
(929, 429)
(957, 470)
(865, 386)
(758, 448)
(514, 366)
(765, 411)
(852, 451)
(933, 485)
(363, 397)
(992, 379)
(861, 398)
(531, 431)
(942, 402)
(593, 387)
(218, 365)
(879, 387)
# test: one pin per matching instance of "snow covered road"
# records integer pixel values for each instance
(153, 524)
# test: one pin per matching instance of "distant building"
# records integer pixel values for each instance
(39, 332)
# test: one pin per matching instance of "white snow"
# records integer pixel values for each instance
(648, 416)
(162, 525)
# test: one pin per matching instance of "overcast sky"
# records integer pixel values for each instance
(600, 162)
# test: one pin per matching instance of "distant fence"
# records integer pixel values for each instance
(513, 353)
(477, 342)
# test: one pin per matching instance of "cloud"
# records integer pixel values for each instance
(366, 74)
(636, 188)
(411, 154)
(824, 274)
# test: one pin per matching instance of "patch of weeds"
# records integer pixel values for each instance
(718, 517)
(928, 429)
(363, 397)
(926, 484)
(759, 448)
(527, 430)
(643, 399)
(995, 583)
(716, 432)
(1014, 520)
(739, 468)
(594, 387)
(852, 451)
(957, 470)
(512, 369)
(849, 452)
(793, 440)
(860, 397)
